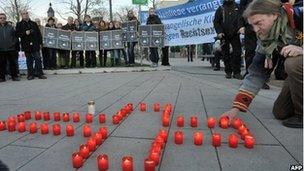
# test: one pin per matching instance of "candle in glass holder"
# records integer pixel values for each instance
(84, 151)
(11, 119)
(56, 116)
(198, 138)
(164, 134)
(115, 119)
(56, 129)
(76, 117)
(224, 123)
(91, 144)
(216, 140)
(143, 107)
(2, 125)
(89, 118)
(104, 132)
(154, 157)
(236, 123)
(38, 115)
(77, 160)
(11, 126)
(27, 115)
(193, 121)
(166, 121)
(156, 107)
(161, 141)
(69, 130)
(233, 141)
(46, 116)
(149, 165)
(102, 118)
(178, 137)
(211, 122)
(155, 147)
(66, 117)
(103, 162)
(98, 138)
(44, 128)
(180, 121)
(244, 133)
(87, 131)
(127, 163)
(130, 106)
(21, 118)
(21, 127)
(242, 128)
(249, 141)
(33, 127)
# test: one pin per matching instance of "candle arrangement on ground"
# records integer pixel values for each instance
(122, 113)
(166, 115)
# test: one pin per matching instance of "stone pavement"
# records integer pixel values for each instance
(192, 88)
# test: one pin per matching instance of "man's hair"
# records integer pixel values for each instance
(2, 14)
(51, 18)
(262, 7)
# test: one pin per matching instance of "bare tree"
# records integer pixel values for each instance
(155, 3)
(81, 8)
(12, 8)
(122, 12)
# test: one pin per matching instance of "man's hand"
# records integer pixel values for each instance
(242, 30)
(291, 51)
(221, 35)
(231, 114)
(28, 32)
(268, 63)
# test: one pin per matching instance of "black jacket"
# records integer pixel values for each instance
(153, 19)
(227, 19)
(71, 27)
(31, 42)
(8, 38)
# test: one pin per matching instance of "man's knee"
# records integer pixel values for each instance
(293, 65)
(278, 112)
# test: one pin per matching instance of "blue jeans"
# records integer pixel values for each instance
(32, 57)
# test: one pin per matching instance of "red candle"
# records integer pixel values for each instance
(224, 123)
(127, 163)
(193, 121)
(104, 132)
(166, 121)
(69, 130)
(38, 115)
(76, 117)
(156, 107)
(149, 165)
(130, 106)
(87, 131)
(46, 116)
(242, 128)
(33, 127)
(84, 151)
(156, 147)
(233, 141)
(21, 127)
(236, 123)
(103, 162)
(21, 118)
(27, 115)
(180, 121)
(244, 133)
(154, 157)
(249, 141)
(89, 118)
(164, 134)
(115, 119)
(56, 116)
(178, 137)
(160, 140)
(143, 107)
(56, 129)
(11, 126)
(211, 122)
(66, 117)
(102, 118)
(91, 144)
(198, 138)
(216, 140)
(98, 138)
(44, 128)
(77, 160)
(11, 119)
(2, 126)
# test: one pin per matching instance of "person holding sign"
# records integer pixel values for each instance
(131, 45)
(90, 56)
(102, 53)
(31, 42)
(70, 26)
(153, 19)
(51, 58)
(77, 54)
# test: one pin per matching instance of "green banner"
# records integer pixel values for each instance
(140, 2)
